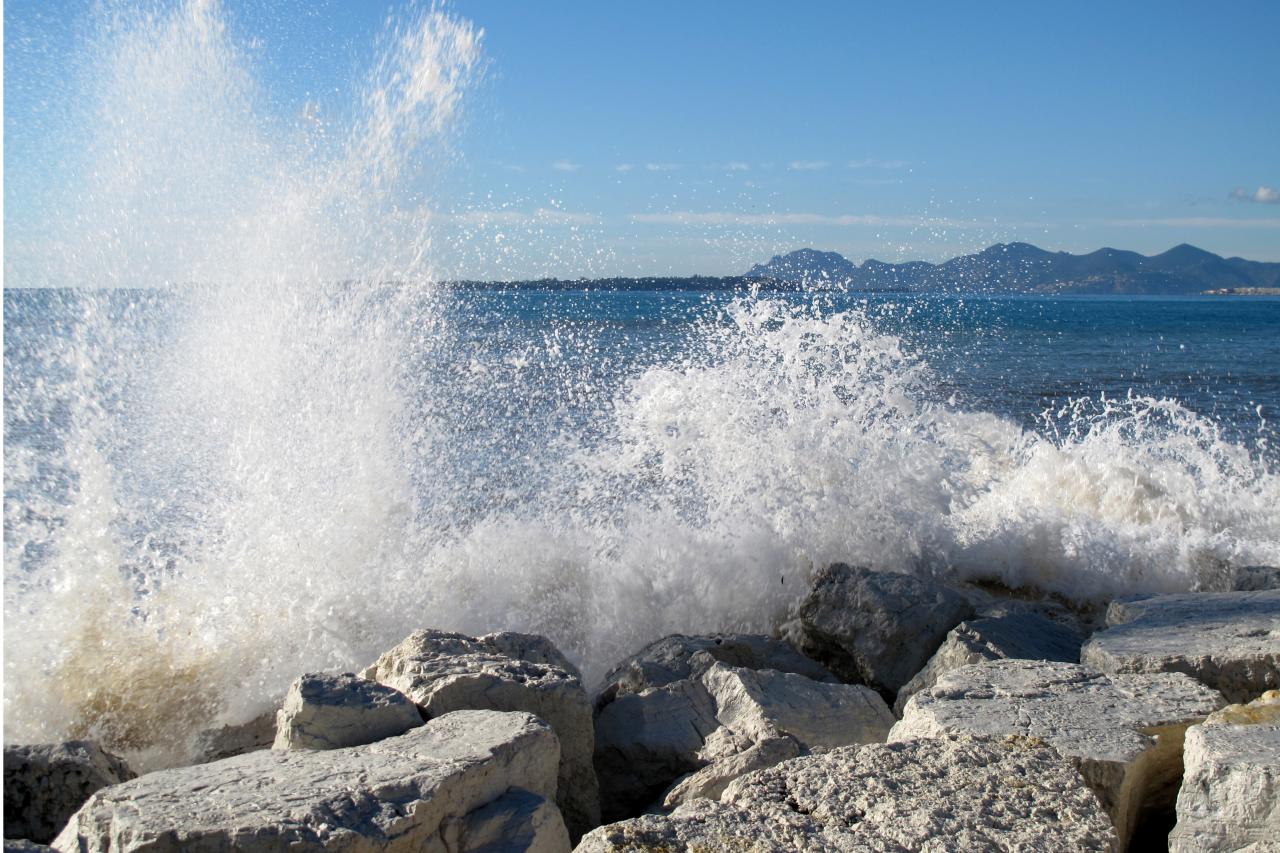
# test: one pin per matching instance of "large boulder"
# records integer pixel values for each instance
(1023, 635)
(645, 741)
(872, 627)
(948, 794)
(324, 711)
(1124, 732)
(45, 783)
(426, 790)
(1230, 797)
(444, 672)
(1229, 641)
(670, 659)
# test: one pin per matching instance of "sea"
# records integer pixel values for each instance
(247, 437)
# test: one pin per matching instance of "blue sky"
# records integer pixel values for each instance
(665, 137)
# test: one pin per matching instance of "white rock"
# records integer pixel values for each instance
(957, 793)
(324, 711)
(444, 672)
(875, 628)
(45, 783)
(1124, 732)
(647, 740)
(668, 660)
(1229, 641)
(1230, 797)
(1027, 636)
(710, 781)
(414, 792)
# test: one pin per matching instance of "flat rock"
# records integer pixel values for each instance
(1124, 732)
(645, 741)
(948, 794)
(872, 627)
(1229, 640)
(1230, 797)
(669, 659)
(415, 792)
(1022, 635)
(444, 672)
(45, 783)
(323, 711)
(518, 820)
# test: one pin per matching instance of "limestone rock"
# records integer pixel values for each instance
(445, 672)
(518, 820)
(415, 792)
(1254, 578)
(954, 793)
(647, 740)
(235, 739)
(710, 781)
(1024, 635)
(1124, 732)
(21, 845)
(669, 659)
(1230, 797)
(875, 628)
(329, 711)
(1229, 641)
(45, 783)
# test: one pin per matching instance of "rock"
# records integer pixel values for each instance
(21, 845)
(420, 791)
(236, 739)
(1229, 641)
(445, 672)
(1024, 635)
(1230, 797)
(710, 781)
(45, 783)
(875, 628)
(1254, 578)
(645, 741)
(330, 711)
(668, 660)
(954, 793)
(1124, 732)
(518, 820)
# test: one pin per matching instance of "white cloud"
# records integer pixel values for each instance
(807, 165)
(623, 167)
(877, 164)
(730, 218)
(737, 166)
(1262, 195)
(1194, 222)
(566, 166)
(662, 167)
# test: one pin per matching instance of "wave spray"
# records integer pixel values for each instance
(248, 439)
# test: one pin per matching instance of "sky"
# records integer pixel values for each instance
(699, 138)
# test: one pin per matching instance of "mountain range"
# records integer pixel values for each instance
(1022, 267)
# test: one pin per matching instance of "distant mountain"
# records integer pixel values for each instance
(1021, 267)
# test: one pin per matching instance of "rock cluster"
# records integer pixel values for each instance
(676, 708)
(1012, 736)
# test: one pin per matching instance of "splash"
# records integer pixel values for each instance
(269, 447)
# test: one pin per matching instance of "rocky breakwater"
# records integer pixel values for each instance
(1011, 738)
